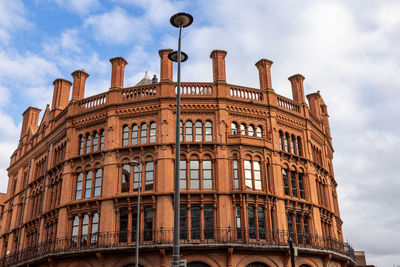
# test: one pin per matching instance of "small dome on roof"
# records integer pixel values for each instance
(146, 80)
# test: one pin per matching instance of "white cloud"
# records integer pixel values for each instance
(118, 27)
(12, 17)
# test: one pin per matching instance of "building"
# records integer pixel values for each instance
(256, 170)
(360, 259)
(2, 200)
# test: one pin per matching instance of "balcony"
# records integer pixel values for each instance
(221, 237)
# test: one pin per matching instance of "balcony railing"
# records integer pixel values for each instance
(164, 237)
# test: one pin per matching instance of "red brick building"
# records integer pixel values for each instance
(256, 169)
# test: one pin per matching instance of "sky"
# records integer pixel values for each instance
(349, 50)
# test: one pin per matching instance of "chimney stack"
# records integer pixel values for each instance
(117, 74)
(78, 90)
(264, 72)
(61, 91)
(218, 64)
(166, 70)
(314, 103)
(297, 87)
(30, 121)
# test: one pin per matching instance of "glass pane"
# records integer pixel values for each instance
(235, 174)
(95, 142)
(125, 133)
(153, 132)
(234, 128)
(208, 222)
(207, 174)
(188, 131)
(194, 174)
(134, 136)
(126, 173)
(182, 174)
(143, 133)
(101, 139)
(195, 222)
(199, 131)
(247, 174)
(183, 223)
(257, 175)
(243, 129)
(251, 222)
(208, 129)
(148, 224)
(88, 185)
(251, 130)
(149, 176)
(259, 131)
(294, 183)
(285, 181)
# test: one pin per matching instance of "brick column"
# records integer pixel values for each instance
(117, 74)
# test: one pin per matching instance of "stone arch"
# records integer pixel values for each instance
(307, 262)
(130, 261)
(258, 258)
(210, 262)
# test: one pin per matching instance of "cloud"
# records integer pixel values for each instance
(118, 27)
(12, 18)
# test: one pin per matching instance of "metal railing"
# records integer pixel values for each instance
(188, 237)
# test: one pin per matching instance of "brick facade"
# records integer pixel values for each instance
(256, 170)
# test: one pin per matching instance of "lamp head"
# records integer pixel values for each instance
(181, 20)
(173, 56)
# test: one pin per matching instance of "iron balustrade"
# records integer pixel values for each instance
(164, 237)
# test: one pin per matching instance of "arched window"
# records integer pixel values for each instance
(207, 174)
(143, 133)
(285, 181)
(250, 130)
(125, 134)
(95, 228)
(235, 174)
(188, 131)
(199, 131)
(242, 129)
(79, 182)
(126, 176)
(194, 174)
(286, 142)
(88, 184)
(234, 129)
(84, 230)
(101, 139)
(149, 176)
(80, 145)
(152, 132)
(134, 135)
(97, 182)
(259, 131)
(75, 230)
(281, 140)
(95, 142)
(181, 131)
(88, 139)
(252, 174)
(301, 185)
(208, 131)
(299, 150)
(293, 144)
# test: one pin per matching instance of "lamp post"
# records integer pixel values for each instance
(134, 164)
(179, 20)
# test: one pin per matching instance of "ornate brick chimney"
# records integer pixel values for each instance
(118, 70)
(166, 70)
(264, 72)
(297, 87)
(78, 90)
(218, 64)
(30, 121)
(61, 92)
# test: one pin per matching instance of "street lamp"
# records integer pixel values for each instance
(179, 20)
(134, 164)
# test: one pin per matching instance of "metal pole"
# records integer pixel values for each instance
(138, 216)
(291, 251)
(175, 253)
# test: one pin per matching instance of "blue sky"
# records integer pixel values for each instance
(346, 49)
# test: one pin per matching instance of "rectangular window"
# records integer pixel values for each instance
(123, 226)
(292, 145)
(137, 170)
(84, 230)
(88, 184)
(88, 141)
(188, 131)
(75, 230)
(95, 142)
(285, 181)
(294, 183)
(238, 223)
(247, 174)
(301, 185)
(261, 222)
(79, 181)
(298, 228)
(299, 146)
(153, 132)
(286, 142)
(257, 175)
(199, 131)
(195, 222)
(183, 222)
(97, 182)
(126, 176)
(235, 174)
(134, 222)
(207, 174)
(102, 140)
(306, 229)
(80, 145)
(134, 135)
(182, 174)
(143, 133)
(208, 222)
(290, 222)
(194, 174)
(149, 176)
(95, 229)
(148, 224)
(125, 134)
(251, 222)
(208, 130)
